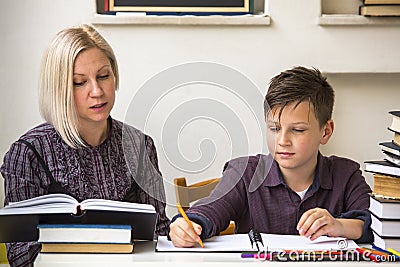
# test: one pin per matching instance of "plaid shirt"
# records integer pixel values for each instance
(108, 171)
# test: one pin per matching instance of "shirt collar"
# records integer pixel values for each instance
(322, 178)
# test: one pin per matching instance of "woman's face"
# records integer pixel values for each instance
(94, 88)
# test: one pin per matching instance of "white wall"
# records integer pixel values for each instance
(259, 53)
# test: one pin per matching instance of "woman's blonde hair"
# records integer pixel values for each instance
(56, 98)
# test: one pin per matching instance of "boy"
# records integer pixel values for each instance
(294, 189)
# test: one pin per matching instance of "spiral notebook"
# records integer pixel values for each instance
(242, 243)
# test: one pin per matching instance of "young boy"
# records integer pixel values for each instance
(294, 189)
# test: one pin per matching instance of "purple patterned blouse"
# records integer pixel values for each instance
(108, 171)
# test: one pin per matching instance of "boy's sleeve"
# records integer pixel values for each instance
(367, 236)
(357, 204)
(226, 202)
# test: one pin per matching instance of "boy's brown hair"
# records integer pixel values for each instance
(297, 85)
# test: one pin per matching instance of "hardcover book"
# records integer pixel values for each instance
(380, 10)
(84, 233)
(382, 167)
(86, 248)
(381, 2)
(387, 186)
(19, 220)
(392, 158)
(386, 242)
(396, 139)
(390, 147)
(385, 227)
(395, 126)
(384, 208)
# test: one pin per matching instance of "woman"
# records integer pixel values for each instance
(80, 150)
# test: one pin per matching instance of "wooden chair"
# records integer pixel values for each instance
(3, 254)
(186, 194)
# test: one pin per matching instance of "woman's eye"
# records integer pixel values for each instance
(104, 77)
(79, 83)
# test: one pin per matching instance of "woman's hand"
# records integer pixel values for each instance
(183, 235)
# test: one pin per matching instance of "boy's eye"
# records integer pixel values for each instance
(273, 129)
(299, 130)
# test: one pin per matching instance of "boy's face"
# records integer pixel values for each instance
(294, 139)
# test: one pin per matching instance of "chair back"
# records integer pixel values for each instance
(186, 194)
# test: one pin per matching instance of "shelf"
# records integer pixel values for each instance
(245, 20)
(349, 19)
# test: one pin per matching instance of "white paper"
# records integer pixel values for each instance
(272, 242)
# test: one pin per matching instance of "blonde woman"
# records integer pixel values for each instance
(80, 149)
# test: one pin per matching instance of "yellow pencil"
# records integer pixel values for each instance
(182, 212)
(393, 251)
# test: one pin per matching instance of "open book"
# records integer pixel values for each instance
(271, 242)
(19, 220)
(61, 203)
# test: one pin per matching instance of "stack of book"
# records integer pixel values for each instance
(59, 216)
(385, 221)
(385, 200)
(387, 171)
(380, 8)
(85, 238)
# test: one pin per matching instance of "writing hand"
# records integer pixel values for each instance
(317, 222)
(184, 235)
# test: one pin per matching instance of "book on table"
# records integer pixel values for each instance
(387, 186)
(386, 242)
(382, 167)
(86, 248)
(385, 227)
(19, 220)
(85, 238)
(384, 208)
(85, 233)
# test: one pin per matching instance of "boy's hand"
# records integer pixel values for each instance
(317, 222)
(182, 234)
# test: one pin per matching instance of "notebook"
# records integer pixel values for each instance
(271, 242)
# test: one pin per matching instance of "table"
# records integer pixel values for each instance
(145, 255)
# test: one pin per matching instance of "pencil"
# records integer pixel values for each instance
(182, 212)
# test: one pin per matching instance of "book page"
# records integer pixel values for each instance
(51, 203)
(297, 242)
(222, 243)
(111, 205)
(272, 242)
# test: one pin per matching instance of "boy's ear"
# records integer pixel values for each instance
(327, 131)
